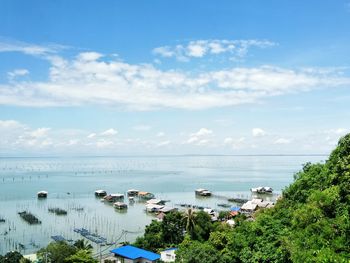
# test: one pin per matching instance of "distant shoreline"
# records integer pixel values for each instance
(163, 156)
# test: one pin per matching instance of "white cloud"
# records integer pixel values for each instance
(192, 139)
(88, 80)
(20, 138)
(235, 143)
(258, 132)
(91, 135)
(164, 51)
(7, 45)
(196, 50)
(200, 48)
(202, 132)
(160, 134)
(200, 137)
(339, 131)
(39, 133)
(109, 132)
(73, 142)
(228, 140)
(282, 141)
(104, 143)
(15, 135)
(163, 143)
(46, 142)
(203, 142)
(17, 73)
(89, 56)
(10, 124)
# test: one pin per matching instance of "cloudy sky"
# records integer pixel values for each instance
(173, 77)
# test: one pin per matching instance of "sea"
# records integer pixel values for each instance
(72, 181)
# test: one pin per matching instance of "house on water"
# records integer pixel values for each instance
(120, 205)
(145, 195)
(156, 202)
(131, 254)
(100, 193)
(113, 197)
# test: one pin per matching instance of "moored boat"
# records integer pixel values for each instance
(133, 192)
(42, 194)
(100, 193)
(202, 192)
(262, 190)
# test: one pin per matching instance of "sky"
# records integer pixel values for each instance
(173, 77)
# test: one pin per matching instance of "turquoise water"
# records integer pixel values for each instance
(71, 183)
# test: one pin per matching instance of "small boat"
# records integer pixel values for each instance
(100, 193)
(133, 192)
(262, 190)
(42, 194)
(120, 205)
(224, 205)
(237, 200)
(202, 192)
(131, 199)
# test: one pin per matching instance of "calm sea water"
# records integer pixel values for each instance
(71, 183)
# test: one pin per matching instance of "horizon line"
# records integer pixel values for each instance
(165, 155)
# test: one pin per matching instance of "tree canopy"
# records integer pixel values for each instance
(310, 223)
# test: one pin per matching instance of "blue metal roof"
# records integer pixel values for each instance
(132, 252)
(235, 208)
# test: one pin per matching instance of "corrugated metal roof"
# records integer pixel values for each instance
(132, 252)
(235, 208)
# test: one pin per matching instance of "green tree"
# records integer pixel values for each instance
(197, 252)
(82, 244)
(172, 229)
(190, 221)
(82, 256)
(56, 252)
(152, 239)
(223, 215)
(203, 226)
(11, 257)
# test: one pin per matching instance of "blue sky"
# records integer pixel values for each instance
(173, 77)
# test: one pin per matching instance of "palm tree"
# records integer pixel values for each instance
(82, 244)
(190, 221)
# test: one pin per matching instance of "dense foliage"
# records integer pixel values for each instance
(310, 223)
(13, 257)
(171, 231)
(62, 252)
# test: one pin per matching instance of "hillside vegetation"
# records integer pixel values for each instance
(310, 223)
